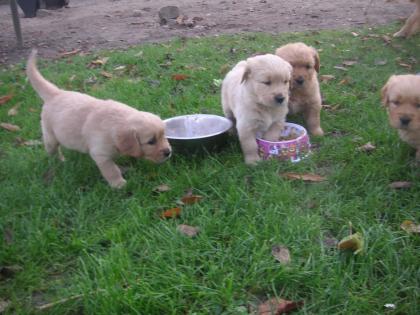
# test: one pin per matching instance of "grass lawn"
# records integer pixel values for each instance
(66, 234)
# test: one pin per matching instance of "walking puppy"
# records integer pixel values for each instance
(305, 95)
(101, 128)
(255, 94)
(401, 97)
(412, 25)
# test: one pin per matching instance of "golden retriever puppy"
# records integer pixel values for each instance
(412, 24)
(401, 97)
(305, 95)
(101, 128)
(255, 94)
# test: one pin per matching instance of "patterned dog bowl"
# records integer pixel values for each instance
(295, 148)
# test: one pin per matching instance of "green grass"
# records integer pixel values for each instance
(71, 234)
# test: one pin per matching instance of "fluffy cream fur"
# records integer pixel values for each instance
(255, 94)
(101, 128)
(401, 97)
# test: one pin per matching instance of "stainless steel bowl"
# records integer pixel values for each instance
(197, 132)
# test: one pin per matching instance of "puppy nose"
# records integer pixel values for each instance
(405, 121)
(167, 152)
(300, 80)
(279, 98)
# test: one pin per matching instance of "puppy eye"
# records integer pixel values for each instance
(267, 82)
(418, 105)
(152, 141)
(308, 67)
(286, 81)
(396, 103)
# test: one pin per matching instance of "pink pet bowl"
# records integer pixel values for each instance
(294, 149)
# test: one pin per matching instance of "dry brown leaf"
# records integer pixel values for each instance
(31, 143)
(98, 62)
(179, 77)
(161, 188)
(13, 111)
(191, 199)
(368, 147)
(345, 81)
(5, 98)
(33, 110)
(354, 34)
(410, 227)
(281, 253)
(188, 230)
(341, 68)
(400, 185)
(69, 53)
(349, 63)
(106, 74)
(387, 39)
(405, 65)
(277, 306)
(326, 77)
(171, 213)
(9, 127)
(309, 177)
(119, 68)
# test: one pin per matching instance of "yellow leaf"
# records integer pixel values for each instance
(353, 242)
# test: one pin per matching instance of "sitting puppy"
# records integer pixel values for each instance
(101, 128)
(255, 94)
(401, 97)
(305, 95)
(412, 25)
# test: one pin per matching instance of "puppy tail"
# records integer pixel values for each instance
(44, 88)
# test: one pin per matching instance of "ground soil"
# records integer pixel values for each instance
(89, 25)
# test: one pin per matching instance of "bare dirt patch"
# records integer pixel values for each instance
(90, 25)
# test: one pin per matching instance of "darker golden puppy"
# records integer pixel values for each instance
(401, 97)
(305, 95)
(412, 25)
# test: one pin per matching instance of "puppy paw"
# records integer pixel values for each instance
(399, 34)
(317, 132)
(118, 184)
(252, 160)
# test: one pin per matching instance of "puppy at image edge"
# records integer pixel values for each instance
(401, 97)
(255, 94)
(102, 128)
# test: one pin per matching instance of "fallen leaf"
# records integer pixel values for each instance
(281, 253)
(309, 177)
(410, 227)
(191, 199)
(5, 98)
(368, 147)
(179, 77)
(387, 39)
(400, 185)
(31, 143)
(33, 110)
(119, 68)
(354, 34)
(380, 62)
(390, 306)
(354, 242)
(161, 188)
(9, 127)
(345, 81)
(99, 62)
(349, 63)
(405, 65)
(277, 306)
(13, 111)
(171, 213)
(4, 304)
(190, 231)
(71, 79)
(326, 77)
(69, 53)
(106, 74)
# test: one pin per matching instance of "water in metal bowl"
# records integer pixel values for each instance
(197, 132)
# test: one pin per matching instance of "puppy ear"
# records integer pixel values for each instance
(317, 60)
(384, 95)
(127, 143)
(246, 74)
